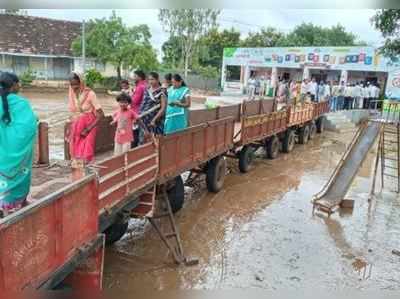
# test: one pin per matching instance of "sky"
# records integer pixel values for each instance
(356, 21)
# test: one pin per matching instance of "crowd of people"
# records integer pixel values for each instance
(148, 108)
(342, 96)
(258, 86)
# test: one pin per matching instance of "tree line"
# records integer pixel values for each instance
(196, 41)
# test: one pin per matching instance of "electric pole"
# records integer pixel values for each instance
(83, 48)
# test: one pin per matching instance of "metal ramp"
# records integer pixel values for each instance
(330, 198)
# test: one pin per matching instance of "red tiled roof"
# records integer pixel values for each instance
(33, 35)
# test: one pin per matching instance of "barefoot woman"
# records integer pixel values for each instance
(86, 113)
(17, 135)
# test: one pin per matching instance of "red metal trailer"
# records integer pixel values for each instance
(47, 242)
(43, 243)
(262, 126)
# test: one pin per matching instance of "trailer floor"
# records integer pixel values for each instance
(259, 232)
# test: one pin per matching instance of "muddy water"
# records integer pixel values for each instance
(260, 232)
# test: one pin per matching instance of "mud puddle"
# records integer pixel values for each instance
(259, 232)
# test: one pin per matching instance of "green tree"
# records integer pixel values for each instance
(172, 52)
(211, 46)
(111, 41)
(189, 25)
(310, 35)
(388, 22)
(266, 37)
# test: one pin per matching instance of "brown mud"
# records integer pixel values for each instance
(259, 232)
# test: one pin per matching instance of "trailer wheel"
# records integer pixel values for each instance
(321, 124)
(272, 147)
(288, 141)
(216, 170)
(313, 131)
(176, 194)
(246, 156)
(116, 231)
(304, 133)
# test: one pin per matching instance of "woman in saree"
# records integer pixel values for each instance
(176, 118)
(86, 113)
(154, 105)
(18, 125)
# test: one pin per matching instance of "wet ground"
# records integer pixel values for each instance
(259, 232)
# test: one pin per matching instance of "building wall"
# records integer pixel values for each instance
(107, 69)
(51, 68)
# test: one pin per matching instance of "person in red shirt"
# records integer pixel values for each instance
(137, 98)
(125, 118)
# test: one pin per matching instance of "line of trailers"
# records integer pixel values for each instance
(60, 238)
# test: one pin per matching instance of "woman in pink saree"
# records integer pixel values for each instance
(86, 112)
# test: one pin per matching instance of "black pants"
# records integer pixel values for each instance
(372, 103)
(366, 103)
(312, 97)
(348, 103)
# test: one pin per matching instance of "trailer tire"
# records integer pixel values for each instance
(216, 170)
(245, 158)
(313, 131)
(304, 133)
(176, 194)
(272, 145)
(116, 231)
(321, 124)
(288, 141)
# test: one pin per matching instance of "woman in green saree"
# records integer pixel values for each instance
(17, 136)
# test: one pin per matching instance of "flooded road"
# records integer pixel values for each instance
(259, 232)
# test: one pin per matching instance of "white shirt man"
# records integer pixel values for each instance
(327, 92)
(348, 91)
(251, 87)
(357, 95)
(313, 88)
(304, 87)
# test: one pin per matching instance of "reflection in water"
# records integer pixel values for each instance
(259, 232)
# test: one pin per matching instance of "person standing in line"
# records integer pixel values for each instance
(18, 126)
(313, 90)
(304, 90)
(86, 113)
(167, 83)
(262, 86)
(179, 102)
(155, 100)
(125, 88)
(251, 87)
(367, 99)
(335, 90)
(357, 96)
(341, 93)
(137, 98)
(375, 92)
(320, 91)
(293, 92)
(124, 118)
(326, 96)
(347, 97)
(364, 95)
(268, 87)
